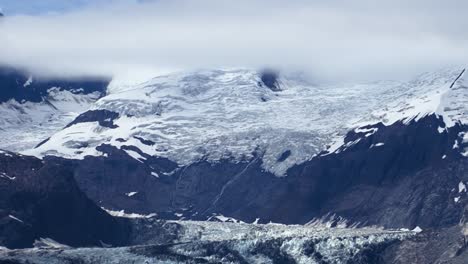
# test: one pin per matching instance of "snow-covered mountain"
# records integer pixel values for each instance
(233, 114)
(237, 146)
(249, 144)
(33, 109)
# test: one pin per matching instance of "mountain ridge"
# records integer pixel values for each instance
(188, 116)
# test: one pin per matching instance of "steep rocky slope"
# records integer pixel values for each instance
(42, 200)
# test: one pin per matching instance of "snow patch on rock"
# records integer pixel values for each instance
(122, 213)
(461, 187)
(28, 82)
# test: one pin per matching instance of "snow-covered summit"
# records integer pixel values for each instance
(232, 114)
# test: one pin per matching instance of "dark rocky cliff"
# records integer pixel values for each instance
(42, 200)
(403, 175)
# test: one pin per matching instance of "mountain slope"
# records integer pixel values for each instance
(365, 181)
(215, 142)
(217, 115)
(42, 200)
(33, 109)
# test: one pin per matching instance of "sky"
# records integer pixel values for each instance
(44, 7)
(333, 40)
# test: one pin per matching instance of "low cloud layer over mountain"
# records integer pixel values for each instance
(339, 40)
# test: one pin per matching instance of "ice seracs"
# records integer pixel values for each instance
(229, 114)
(227, 242)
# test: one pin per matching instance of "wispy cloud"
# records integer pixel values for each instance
(332, 39)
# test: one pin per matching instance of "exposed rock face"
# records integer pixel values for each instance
(42, 200)
(103, 117)
(434, 246)
(270, 79)
(393, 178)
(401, 175)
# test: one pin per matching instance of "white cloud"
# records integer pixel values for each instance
(332, 39)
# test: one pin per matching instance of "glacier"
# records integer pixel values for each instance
(228, 114)
(214, 242)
